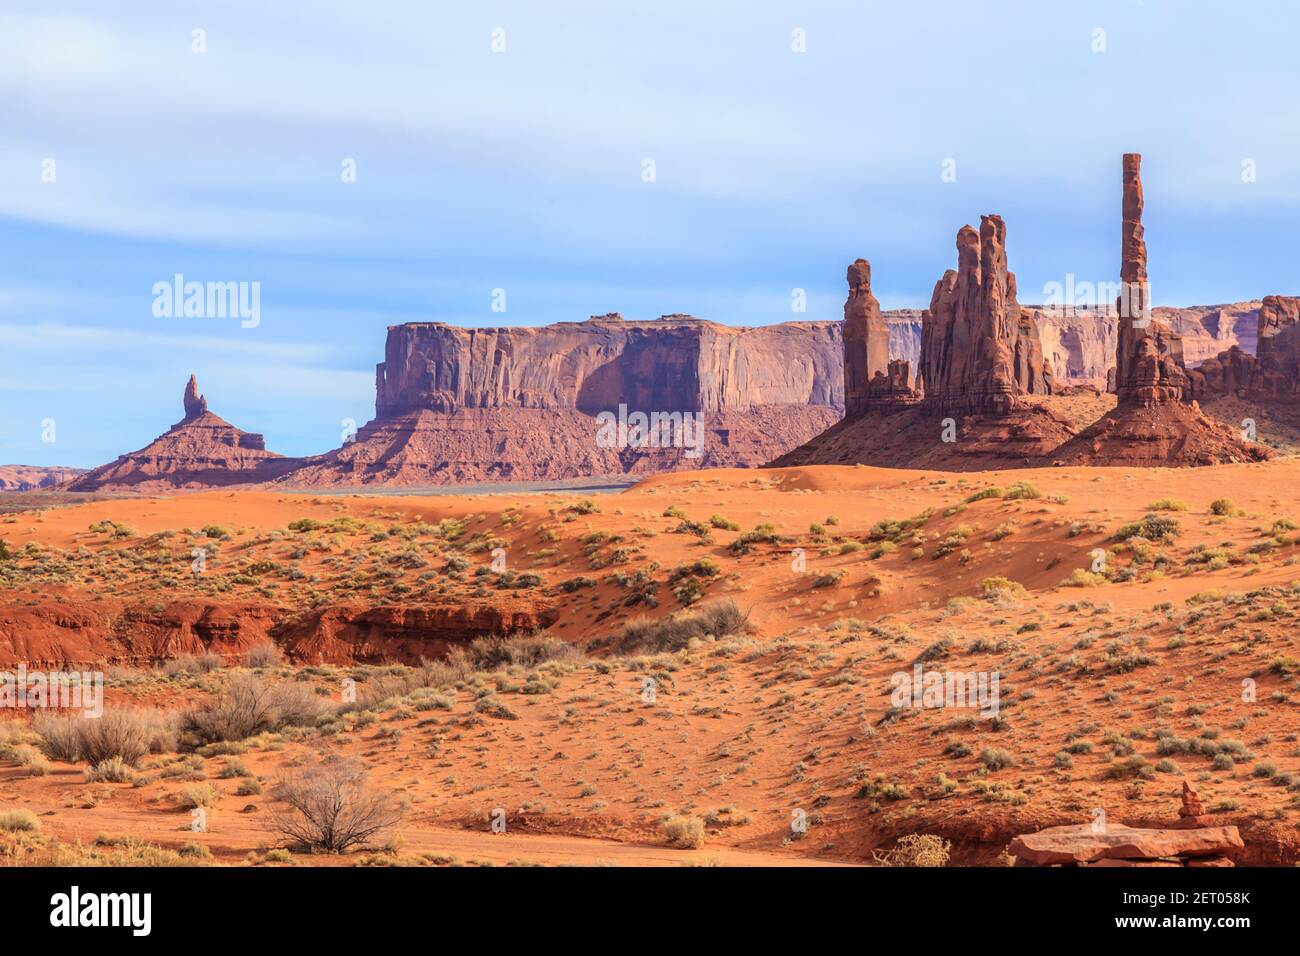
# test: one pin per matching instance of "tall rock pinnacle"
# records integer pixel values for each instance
(1149, 358)
(195, 404)
(866, 339)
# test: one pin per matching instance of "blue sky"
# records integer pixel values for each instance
(522, 170)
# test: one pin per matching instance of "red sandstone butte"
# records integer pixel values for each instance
(521, 403)
(1151, 424)
(1272, 374)
(980, 355)
(201, 450)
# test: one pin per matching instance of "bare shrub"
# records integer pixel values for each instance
(248, 705)
(264, 655)
(714, 620)
(686, 833)
(331, 808)
(125, 734)
(916, 849)
(112, 770)
(529, 650)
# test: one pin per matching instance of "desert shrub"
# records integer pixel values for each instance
(995, 759)
(330, 807)
(1021, 490)
(19, 821)
(200, 795)
(112, 770)
(1153, 527)
(1167, 504)
(715, 620)
(997, 586)
(984, 493)
(248, 787)
(529, 650)
(1079, 578)
(1223, 507)
(916, 849)
(126, 734)
(248, 705)
(263, 655)
(723, 524)
(686, 833)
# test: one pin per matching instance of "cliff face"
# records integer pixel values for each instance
(1273, 373)
(675, 363)
(526, 404)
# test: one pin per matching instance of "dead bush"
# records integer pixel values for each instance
(916, 849)
(249, 705)
(263, 655)
(712, 621)
(125, 734)
(330, 807)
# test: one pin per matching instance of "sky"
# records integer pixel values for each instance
(566, 159)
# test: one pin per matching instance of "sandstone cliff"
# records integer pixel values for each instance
(523, 404)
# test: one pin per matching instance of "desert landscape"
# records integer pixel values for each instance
(986, 613)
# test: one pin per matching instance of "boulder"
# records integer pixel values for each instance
(1079, 843)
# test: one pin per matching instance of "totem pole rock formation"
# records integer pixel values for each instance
(980, 355)
(195, 404)
(1151, 424)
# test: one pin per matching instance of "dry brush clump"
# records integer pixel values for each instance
(248, 705)
(712, 621)
(127, 735)
(329, 806)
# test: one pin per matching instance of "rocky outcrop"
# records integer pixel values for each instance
(36, 477)
(1192, 840)
(1151, 424)
(1272, 374)
(201, 450)
(980, 356)
(866, 340)
(979, 349)
(103, 630)
(195, 404)
(562, 401)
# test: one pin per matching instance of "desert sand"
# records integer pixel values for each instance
(1117, 679)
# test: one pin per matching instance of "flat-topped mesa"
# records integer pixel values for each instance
(979, 350)
(526, 403)
(676, 363)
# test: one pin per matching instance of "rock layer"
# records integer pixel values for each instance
(1272, 374)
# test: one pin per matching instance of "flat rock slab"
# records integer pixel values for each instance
(1077, 843)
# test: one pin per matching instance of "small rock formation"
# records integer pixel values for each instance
(1151, 424)
(201, 450)
(980, 354)
(1193, 840)
(866, 341)
(195, 404)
